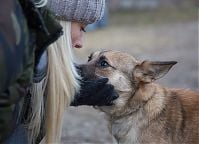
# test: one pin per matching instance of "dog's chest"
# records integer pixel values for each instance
(127, 130)
(121, 130)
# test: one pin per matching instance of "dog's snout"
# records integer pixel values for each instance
(79, 69)
(83, 71)
(87, 72)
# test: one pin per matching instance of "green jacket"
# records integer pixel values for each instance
(25, 33)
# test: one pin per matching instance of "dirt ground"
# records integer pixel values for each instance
(176, 41)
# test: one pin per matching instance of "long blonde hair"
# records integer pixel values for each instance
(59, 86)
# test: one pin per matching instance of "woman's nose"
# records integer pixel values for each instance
(78, 43)
(77, 35)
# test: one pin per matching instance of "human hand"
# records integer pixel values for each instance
(95, 93)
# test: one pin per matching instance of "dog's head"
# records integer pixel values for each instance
(124, 72)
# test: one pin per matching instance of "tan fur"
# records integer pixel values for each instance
(145, 112)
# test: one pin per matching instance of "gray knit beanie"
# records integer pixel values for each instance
(84, 11)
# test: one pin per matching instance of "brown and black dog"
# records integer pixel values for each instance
(145, 112)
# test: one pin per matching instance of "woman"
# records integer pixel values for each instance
(55, 78)
(61, 78)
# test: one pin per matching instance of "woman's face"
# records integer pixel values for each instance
(77, 30)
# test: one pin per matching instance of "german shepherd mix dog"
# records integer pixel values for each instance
(145, 112)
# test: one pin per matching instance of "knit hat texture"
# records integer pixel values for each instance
(84, 11)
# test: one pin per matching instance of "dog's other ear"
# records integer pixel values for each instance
(148, 71)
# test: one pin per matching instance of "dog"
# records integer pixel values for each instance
(144, 112)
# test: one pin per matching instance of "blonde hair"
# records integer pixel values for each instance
(60, 85)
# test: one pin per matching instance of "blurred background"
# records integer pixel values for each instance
(147, 29)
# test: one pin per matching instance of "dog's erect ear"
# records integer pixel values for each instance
(149, 71)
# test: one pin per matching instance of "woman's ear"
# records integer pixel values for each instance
(149, 71)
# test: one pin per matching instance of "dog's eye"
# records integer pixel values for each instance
(104, 64)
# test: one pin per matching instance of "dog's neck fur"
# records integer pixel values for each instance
(127, 127)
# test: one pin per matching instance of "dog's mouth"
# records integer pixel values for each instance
(108, 109)
(105, 109)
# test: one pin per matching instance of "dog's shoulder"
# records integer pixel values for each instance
(189, 100)
(187, 97)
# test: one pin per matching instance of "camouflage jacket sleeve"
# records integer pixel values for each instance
(16, 55)
(14, 38)
(19, 25)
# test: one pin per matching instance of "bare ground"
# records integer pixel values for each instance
(171, 41)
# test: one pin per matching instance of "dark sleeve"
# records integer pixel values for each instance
(16, 59)
(14, 38)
